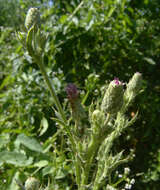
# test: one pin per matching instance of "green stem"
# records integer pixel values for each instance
(85, 98)
(89, 161)
(107, 119)
(39, 61)
(119, 181)
(75, 11)
(96, 186)
(95, 142)
(77, 171)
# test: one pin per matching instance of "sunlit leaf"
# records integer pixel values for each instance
(29, 142)
(44, 126)
(15, 158)
(150, 60)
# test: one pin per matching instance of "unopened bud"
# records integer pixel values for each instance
(98, 116)
(32, 18)
(113, 98)
(134, 84)
(32, 184)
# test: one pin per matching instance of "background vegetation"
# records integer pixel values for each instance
(89, 43)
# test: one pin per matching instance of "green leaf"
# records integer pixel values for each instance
(44, 126)
(110, 12)
(14, 158)
(48, 170)
(150, 60)
(6, 82)
(60, 174)
(63, 19)
(21, 36)
(4, 139)
(41, 163)
(29, 142)
(29, 40)
(13, 184)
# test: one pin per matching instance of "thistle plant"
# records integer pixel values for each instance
(90, 135)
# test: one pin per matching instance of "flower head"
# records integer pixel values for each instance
(113, 98)
(73, 97)
(72, 92)
(134, 86)
(135, 82)
(116, 81)
(98, 117)
(32, 18)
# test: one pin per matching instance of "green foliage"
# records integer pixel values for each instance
(96, 40)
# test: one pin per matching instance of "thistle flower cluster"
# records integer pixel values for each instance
(92, 155)
(103, 133)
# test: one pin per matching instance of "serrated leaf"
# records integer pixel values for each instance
(60, 122)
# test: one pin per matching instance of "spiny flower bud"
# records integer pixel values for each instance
(134, 84)
(98, 116)
(73, 97)
(32, 18)
(32, 184)
(113, 98)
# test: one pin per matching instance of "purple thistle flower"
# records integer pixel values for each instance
(72, 92)
(116, 81)
(138, 73)
(73, 97)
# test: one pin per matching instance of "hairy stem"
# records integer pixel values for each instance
(39, 61)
